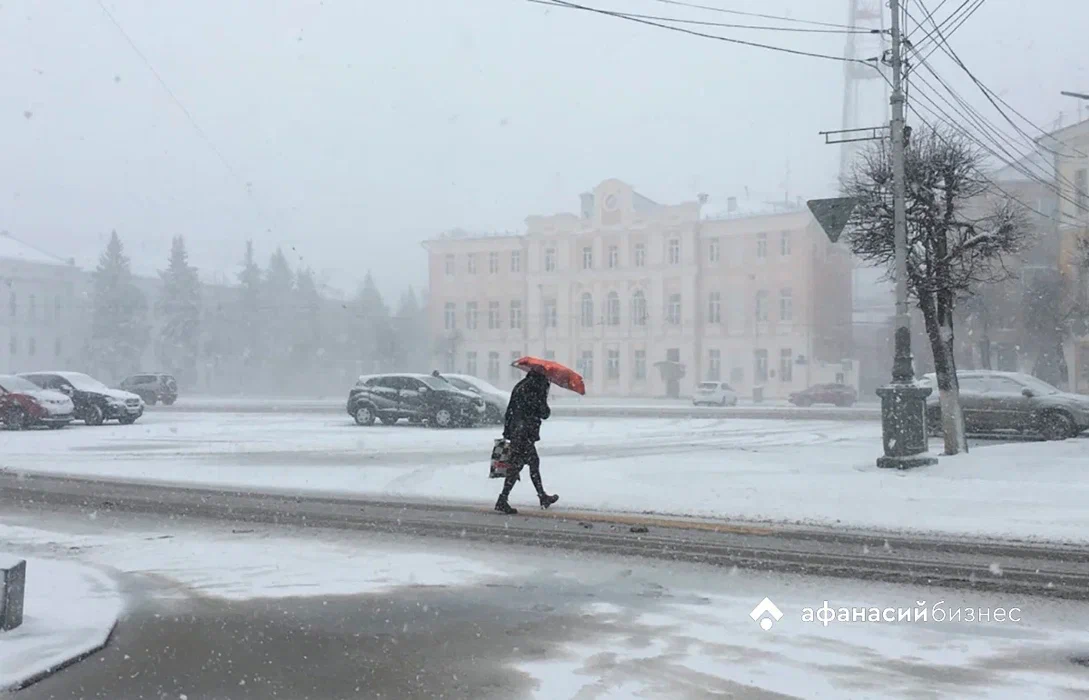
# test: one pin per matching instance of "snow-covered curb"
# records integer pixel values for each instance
(70, 611)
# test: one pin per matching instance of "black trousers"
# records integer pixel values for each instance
(522, 454)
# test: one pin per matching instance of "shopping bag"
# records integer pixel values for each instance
(501, 459)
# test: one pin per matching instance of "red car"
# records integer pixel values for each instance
(835, 394)
(24, 405)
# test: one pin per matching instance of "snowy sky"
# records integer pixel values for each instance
(363, 127)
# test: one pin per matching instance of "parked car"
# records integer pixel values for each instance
(95, 403)
(24, 404)
(495, 399)
(419, 398)
(835, 394)
(1011, 401)
(714, 394)
(152, 388)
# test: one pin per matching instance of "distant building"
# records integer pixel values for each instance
(41, 321)
(646, 299)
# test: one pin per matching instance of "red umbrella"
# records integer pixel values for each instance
(560, 375)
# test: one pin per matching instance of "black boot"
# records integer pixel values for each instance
(503, 507)
(547, 500)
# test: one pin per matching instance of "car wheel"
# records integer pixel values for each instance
(150, 399)
(802, 403)
(94, 416)
(169, 401)
(15, 419)
(127, 420)
(443, 418)
(1057, 426)
(389, 420)
(363, 415)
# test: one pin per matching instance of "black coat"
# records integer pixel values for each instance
(527, 408)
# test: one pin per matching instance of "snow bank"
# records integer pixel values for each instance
(69, 612)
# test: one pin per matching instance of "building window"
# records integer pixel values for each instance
(613, 309)
(714, 365)
(673, 310)
(760, 365)
(714, 308)
(550, 313)
(448, 363)
(614, 256)
(516, 261)
(1081, 190)
(761, 314)
(493, 315)
(550, 260)
(786, 365)
(640, 255)
(515, 314)
(32, 307)
(587, 310)
(674, 251)
(586, 364)
(493, 263)
(470, 315)
(588, 258)
(493, 366)
(761, 245)
(450, 265)
(638, 309)
(515, 373)
(470, 362)
(784, 243)
(471, 265)
(449, 313)
(639, 370)
(786, 304)
(713, 250)
(612, 365)
(57, 347)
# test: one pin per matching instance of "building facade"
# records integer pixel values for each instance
(1071, 148)
(646, 299)
(41, 317)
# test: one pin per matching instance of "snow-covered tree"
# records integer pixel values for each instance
(279, 312)
(412, 346)
(375, 344)
(249, 315)
(954, 245)
(119, 324)
(308, 350)
(179, 311)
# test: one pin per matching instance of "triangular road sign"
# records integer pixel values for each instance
(833, 214)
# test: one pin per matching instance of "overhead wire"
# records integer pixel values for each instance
(742, 13)
(730, 25)
(683, 30)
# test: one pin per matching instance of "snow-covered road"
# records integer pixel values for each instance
(805, 471)
(280, 612)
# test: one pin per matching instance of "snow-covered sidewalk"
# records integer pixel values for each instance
(69, 612)
(814, 472)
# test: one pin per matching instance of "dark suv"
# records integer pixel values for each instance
(417, 397)
(153, 388)
(1011, 401)
(95, 403)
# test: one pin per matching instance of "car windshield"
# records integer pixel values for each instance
(459, 383)
(83, 382)
(17, 384)
(709, 385)
(436, 383)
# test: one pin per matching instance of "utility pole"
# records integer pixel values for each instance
(903, 404)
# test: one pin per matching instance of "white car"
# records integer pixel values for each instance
(495, 399)
(714, 394)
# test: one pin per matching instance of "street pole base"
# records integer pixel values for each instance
(906, 462)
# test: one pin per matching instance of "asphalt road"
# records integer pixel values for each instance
(1060, 571)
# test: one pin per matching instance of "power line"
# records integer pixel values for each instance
(952, 30)
(729, 25)
(682, 30)
(740, 13)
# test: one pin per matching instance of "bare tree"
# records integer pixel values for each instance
(957, 237)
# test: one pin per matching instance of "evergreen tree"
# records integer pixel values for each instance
(178, 309)
(309, 339)
(410, 338)
(119, 324)
(375, 338)
(249, 316)
(278, 304)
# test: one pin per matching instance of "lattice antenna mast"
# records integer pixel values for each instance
(865, 92)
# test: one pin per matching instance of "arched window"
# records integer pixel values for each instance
(613, 309)
(587, 310)
(639, 309)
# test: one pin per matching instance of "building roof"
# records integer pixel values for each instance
(12, 248)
